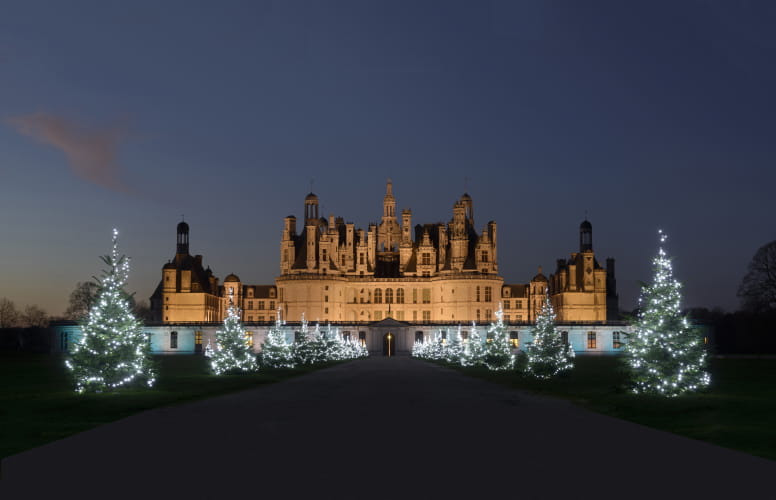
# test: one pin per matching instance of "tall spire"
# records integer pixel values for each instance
(389, 202)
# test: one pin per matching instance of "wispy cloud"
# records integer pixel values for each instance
(92, 153)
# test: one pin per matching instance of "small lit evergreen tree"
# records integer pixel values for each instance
(498, 349)
(474, 350)
(548, 355)
(233, 354)
(664, 356)
(275, 351)
(453, 347)
(303, 347)
(113, 351)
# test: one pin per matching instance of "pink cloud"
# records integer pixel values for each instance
(91, 153)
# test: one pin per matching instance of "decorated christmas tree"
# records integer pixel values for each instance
(498, 349)
(232, 353)
(548, 355)
(303, 347)
(474, 350)
(276, 352)
(664, 356)
(453, 347)
(113, 351)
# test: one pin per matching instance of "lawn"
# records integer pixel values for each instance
(38, 405)
(737, 412)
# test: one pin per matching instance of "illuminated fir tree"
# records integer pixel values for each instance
(498, 349)
(303, 348)
(664, 356)
(453, 346)
(548, 355)
(276, 352)
(113, 351)
(233, 354)
(474, 350)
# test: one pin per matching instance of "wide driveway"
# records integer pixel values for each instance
(381, 428)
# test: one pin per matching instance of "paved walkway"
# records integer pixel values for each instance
(381, 428)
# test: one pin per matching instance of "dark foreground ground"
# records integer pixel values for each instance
(381, 428)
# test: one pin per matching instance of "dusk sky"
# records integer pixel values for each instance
(645, 116)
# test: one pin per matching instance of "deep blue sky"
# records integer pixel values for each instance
(129, 114)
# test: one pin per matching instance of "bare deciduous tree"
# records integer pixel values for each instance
(758, 288)
(81, 300)
(34, 317)
(9, 316)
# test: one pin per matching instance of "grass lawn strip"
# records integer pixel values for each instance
(38, 404)
(737, 412)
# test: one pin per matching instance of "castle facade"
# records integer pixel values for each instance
(332, 271)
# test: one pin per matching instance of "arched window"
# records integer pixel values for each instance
(378, 296)
(400, 295)
(389, 295)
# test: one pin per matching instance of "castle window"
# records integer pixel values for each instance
(426, 315)
(250, 304)
(419, 337)
(518, 304)
(323, 257)
(616, 340)
(361, 258)
(564, 337)
(400, 296)
(591, 340)
(249, 339)
(519, 317)
(414, 315)
(173, 340)
(378, 296)
(325, 310)
(488, 314)
(484, 256)
(342, 260)
(488, 293)
(250, 318)
(400, 315)
(478, 315)
(506, 318)
(426, 295)
(261, 305)
(389, 295)
(514, 340)
(477, 295)
(426, 259)
(261, 318)
(167, 299)
(415, 296)
(271, 292)
(285, 255)
(272, 305)
(362, 338)
(325, 298)
(507, 305)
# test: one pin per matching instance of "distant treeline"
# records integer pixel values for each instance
(740, 332)
(33, 339)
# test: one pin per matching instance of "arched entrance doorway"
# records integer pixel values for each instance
(389, 344)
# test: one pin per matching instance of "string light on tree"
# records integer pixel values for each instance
(113, 351)
(663, 355)
(233, 353)
(548, 355)
(276, 352)
(498, 349)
